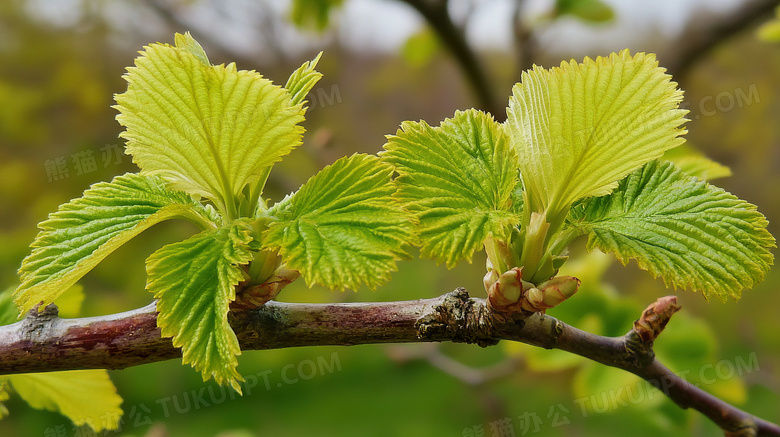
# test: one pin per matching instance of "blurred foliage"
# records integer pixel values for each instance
(313, 14)
(692, 161)
(56, 87)
(770, 31)
(594, 11)
(421, 48)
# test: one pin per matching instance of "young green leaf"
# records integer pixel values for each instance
(302, 80)
(693, 162)
(85, 230)
(86, 397)
(420, 49)
(690, 233)
(458, 180)
(211, 130)
(195, 281)
(188, 44)
(594, 11)
(343, 228)
(580, 128)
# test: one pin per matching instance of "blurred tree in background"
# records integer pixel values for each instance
(61, 62)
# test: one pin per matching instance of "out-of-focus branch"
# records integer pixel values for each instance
(44, 342)
(431, 353)
(525, 44)
(436, 14)
(698, 43)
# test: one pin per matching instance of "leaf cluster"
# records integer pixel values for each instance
(205, 138)
(581, 154)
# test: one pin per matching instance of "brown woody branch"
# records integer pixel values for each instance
(44, 342)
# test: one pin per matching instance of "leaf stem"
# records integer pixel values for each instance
(198, 220)
(496, 254)
(263, 266)
(534, 246)
(255, 199)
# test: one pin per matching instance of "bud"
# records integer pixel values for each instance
(489, 279)
(256, 296)
(507, 289)
(510, 284)
(550, 293)
(655, 317)
(533, 297)
(565, 286)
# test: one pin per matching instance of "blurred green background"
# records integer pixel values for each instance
(62, 61)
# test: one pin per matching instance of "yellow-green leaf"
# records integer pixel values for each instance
(594, 11)
(459, 182)
(302, 80)
(343, 227)
(693, 162)
(690, 233)
(313, 14)
(580, 128)
(86, 397)
(195, 281)
(419, 49)
(84, 231)
(210, 130)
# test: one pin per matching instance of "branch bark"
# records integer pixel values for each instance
(44, 342)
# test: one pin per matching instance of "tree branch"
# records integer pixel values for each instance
(45, 342)
(698, 43)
